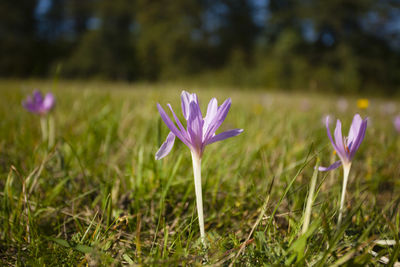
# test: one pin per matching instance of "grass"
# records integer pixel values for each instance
(98, 196)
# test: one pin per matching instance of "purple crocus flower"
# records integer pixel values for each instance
(396, 123)
(38, 104)
(346, 147)
(200, 131)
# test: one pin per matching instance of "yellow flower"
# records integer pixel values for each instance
(362, 103)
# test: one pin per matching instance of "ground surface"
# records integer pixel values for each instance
(98, 196)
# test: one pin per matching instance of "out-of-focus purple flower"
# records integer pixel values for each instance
(305, 105)
(342, 104)
(323, 118)
(200, 131)
(396, 123)
(39, 104)
(346, 147)
(267, 100)
(388, 108)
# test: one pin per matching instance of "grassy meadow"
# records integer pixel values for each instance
(98, 197)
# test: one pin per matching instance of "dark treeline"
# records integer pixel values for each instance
(341, 45)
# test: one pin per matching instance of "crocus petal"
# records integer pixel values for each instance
(339, 142)
(218, 119)
(37, 97)
(183, 130)
(224, 135)
(185, 99)
(48, 102)
(195, 127)
(329, 133)
(195, 99)
(171, 125)
(166, 146)
(354, 129)
(332, 167)
(28, 104)
(360, 137)
(396, 123)
(211, 113)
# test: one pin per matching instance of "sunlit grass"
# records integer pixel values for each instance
(99, 196)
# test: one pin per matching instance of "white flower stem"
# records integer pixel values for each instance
(51, 131)
(346, 171)
(43, 125)
(199, 199)
(310, 199)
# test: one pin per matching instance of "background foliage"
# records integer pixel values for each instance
(336, 45)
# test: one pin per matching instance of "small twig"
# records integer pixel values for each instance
(138, 228)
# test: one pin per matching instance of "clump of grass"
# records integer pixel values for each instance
(99, 197)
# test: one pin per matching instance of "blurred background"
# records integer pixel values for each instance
(337, 46)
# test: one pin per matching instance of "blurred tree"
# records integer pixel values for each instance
(185, 37)
(342, 42)
(18, 43)
(169, 37)
(235, 27)
(107, 49)
(82, 15)
(336, 45)
(54, 33)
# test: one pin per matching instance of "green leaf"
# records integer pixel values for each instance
(128, 259)
(69, 244)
